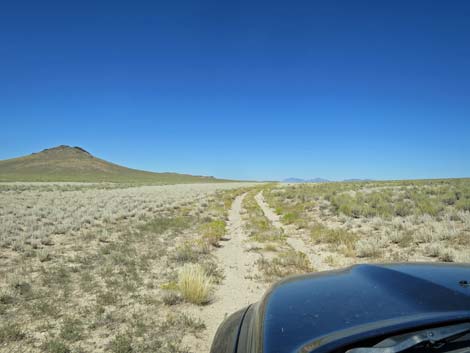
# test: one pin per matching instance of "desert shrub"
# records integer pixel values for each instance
(202, 246)
(449, 198)
(429, 206)
(433, 250)
(424, 235)
(107, 297)
(338, 236)
(403, 209)
(171, 298)
(464, 216)
(380, 204)
(185, 252)
(463, 204)
(447, 255)
(291, 217)
(10, 332)
(213, 231)
(162, 224)
(121, 343)
(6, 298)
(400, 237)
(445, 230)
(346, 204)
(194, 284)
(462, 239)
(213, 271)
(463, 257)
(286, 263)
(270, 247)
(54, 345)
(183, 322)
(72, 330)
(370, 247)
(273, 235)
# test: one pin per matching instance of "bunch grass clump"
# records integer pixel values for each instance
(194, 284)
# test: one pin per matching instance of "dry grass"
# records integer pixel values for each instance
(287, 263)
(82, 266)
(194, 284)
(95, 267)
(34, 215)
(370, 247)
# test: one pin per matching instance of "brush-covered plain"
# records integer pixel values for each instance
(103, 267)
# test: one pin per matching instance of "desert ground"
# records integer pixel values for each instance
(102, 267)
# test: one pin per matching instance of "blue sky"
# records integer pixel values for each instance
(242, 89)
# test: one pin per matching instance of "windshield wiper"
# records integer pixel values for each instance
(402, 342)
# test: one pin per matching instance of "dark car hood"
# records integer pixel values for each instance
(320, 311)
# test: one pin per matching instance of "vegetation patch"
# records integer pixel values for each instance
(213, 232)
(287, 263)
(334, 237)
(258, 226)
(194, 284)
(163, 224)
(10, 332)
(107, 249)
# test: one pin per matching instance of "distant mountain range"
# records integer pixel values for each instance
(298, 180)
(319, 180)
(65, 163)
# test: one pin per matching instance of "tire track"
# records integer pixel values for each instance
(237, 289)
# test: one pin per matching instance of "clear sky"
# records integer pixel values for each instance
(242, 89)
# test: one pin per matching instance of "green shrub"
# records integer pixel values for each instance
(321, 234)
(291, 217)
(213, 232)
(428, 206)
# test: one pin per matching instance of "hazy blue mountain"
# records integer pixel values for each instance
(354, 179)
(319, 180)
(298, 180)
(293, 180)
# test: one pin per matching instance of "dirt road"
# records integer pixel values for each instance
(294, 238)
(237, 289)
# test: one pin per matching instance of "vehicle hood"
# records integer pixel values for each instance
(319, 312)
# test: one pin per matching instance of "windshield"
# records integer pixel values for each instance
(451, 338)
